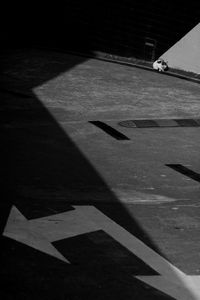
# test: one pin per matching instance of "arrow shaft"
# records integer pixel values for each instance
(185, 291)
(85, 219)
(137, 247)
(64, 225)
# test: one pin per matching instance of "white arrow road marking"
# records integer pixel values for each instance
(173, 281)
(188, 289)
(18, 228)
(40, 233)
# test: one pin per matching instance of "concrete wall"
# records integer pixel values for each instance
(129, 28)
(185, 54)
(132, 28)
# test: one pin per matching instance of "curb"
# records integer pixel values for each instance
(127, 62)
(145, 65)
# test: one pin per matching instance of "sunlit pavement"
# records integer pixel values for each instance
(101, 180)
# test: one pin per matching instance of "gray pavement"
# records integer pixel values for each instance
(86, 214)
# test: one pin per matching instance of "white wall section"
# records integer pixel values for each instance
(185, 54)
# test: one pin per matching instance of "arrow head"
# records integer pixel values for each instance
(19, 229)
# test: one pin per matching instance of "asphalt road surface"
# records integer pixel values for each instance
(100, 180)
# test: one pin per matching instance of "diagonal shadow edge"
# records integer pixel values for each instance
(45, 159)
(29, 161)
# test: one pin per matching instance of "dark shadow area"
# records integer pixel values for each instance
(45, 173)
(43, 167)
(139, 29)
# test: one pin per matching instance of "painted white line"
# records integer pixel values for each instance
(189, 289)
(39, 233)
(136, 246)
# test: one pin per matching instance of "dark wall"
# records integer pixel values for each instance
(134, 28)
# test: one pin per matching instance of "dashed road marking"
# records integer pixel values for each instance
(185, 171)
(110, 130)
(150, 123)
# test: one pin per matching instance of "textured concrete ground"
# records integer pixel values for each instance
(56, 156)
